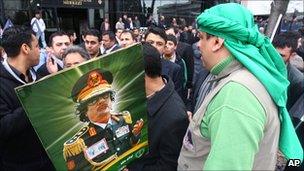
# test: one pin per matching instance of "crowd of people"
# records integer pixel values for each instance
(220, 95)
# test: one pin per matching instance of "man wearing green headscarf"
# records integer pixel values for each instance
(243, 122)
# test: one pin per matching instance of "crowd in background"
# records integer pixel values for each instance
(176, 43)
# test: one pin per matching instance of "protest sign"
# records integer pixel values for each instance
(65, 110)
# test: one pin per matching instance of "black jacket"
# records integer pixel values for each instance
(185, 51)
(175, 72)
(179, 61)
(198, 64)
(20, 148)
(116, 47)
(296, 113)
(167, 124)
(42, 71)
(296, 86)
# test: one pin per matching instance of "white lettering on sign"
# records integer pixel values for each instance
(72, 2)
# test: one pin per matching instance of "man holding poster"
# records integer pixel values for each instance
(20, 148)
(108, 135)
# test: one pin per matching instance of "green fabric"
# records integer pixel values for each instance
(235, 24)
(220, 66)
(236, 126)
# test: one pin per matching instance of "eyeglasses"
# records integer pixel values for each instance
(98, 98)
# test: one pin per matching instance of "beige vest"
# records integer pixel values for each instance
(195, 150)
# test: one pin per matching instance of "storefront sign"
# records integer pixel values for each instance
(73, 3)
(79, 2)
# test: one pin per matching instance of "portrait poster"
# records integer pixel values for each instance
(60, 106)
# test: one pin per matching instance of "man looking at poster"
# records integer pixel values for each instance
(108, 134)
(242, 123)
(20, 148)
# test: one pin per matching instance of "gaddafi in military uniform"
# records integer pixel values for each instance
(107, 135)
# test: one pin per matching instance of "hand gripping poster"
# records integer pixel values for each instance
(93, 116)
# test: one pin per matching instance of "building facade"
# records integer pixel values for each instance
(79, 15)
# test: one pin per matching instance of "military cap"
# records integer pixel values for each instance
(92, 84)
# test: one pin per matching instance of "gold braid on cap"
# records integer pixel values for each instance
(95, 82)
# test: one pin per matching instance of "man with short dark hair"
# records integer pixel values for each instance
(126, 38)
(171, 55)
(137, 34)
(185, 51)
(166, 115)
(72, 35)
(109, 42)
(92, 42)
(286, 44)
(158, 38)
(20, 148)
(117, 34)
(58, 42)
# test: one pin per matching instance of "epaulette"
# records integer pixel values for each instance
(75, 145)
(127, 117)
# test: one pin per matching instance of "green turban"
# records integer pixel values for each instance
(235, 24)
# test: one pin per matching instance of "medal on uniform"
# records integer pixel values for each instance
(71, 165)
(121, 131)
(92, 131)
(97, 149)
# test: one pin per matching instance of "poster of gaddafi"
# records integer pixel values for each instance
(93, 116)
